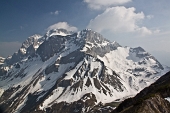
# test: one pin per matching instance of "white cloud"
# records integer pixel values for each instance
(99, 4)
(143, 31)
(156, 31)
(62, 25)
(55, 13)
(120, 20)
(149, 16)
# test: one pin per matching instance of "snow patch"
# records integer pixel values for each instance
(168, 99)
(1, 92)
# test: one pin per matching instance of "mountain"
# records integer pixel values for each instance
(153, 99)
(68, 72)
(1, 60)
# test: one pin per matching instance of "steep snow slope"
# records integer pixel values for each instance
(152, 99)
(80, 70)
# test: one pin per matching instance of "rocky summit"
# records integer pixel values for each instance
(66, 72)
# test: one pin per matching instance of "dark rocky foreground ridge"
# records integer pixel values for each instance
(149, 100)
(65, 72)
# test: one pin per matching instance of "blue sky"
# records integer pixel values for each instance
(129, 22)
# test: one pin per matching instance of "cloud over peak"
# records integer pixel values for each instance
(62, 25)
(99, 4)
(120, 20)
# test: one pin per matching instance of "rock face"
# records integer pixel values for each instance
(1, 60)
(28, 48)
(152, 99)
(3, 69)
(74, 72)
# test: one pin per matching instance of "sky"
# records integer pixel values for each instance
(131, 23)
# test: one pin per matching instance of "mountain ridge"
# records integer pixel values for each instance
(78, 71)
(151, 99)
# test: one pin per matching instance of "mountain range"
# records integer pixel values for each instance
(67, 72)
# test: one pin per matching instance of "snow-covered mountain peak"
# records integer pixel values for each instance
(32, 40)
(95, 44)
(28, 48)
(75, 72)
(93, 37)
(35, 36)
(31, 44)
